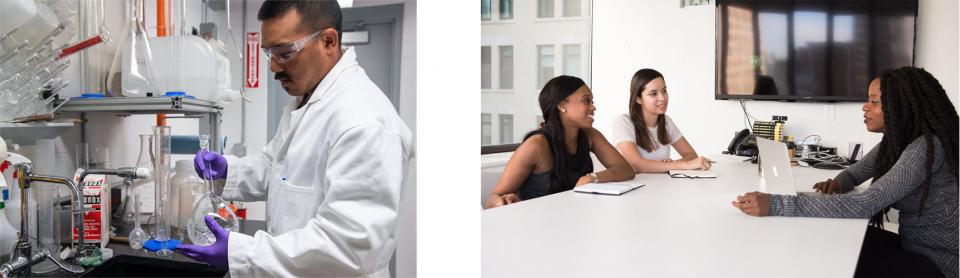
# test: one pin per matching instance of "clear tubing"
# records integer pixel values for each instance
(161, 163)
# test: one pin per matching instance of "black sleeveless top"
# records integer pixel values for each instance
(578, 164)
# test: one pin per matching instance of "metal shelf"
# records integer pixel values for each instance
(142, 105)
(28, 133)
(6, 125)
(208, 111)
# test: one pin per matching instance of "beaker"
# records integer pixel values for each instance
(45, 194)
(161, 181)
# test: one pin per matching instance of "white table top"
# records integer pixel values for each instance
(672, 227)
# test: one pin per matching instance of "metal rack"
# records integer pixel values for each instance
(30, 132)
(209, 112)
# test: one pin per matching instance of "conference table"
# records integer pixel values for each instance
(670, 227)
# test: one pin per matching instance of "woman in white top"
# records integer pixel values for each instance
(644, 136)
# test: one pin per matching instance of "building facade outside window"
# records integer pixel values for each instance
(506, 67)
(545, 8)
(486, 129)
(544, 64)
(571, 59)
(484, 9)
(485, 67)
(571, 8)
(506, 9)
(540, 40)
(506, 128)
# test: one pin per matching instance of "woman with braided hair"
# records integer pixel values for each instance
(914, 169)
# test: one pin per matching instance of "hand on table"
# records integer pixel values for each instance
(507, 199)
(829, 186)
(699, 163)
(585, 179)
(753, 203)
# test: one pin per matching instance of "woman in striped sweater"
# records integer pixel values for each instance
(914, 169)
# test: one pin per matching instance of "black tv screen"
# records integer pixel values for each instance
(808, 50)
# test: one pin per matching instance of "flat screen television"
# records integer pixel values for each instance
(809, 50)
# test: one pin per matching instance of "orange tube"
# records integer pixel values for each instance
(161, 32)
(161, 18)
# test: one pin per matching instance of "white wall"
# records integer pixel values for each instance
(630, 35)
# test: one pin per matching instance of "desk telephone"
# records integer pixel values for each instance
(743, 144)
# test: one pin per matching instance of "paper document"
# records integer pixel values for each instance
(692, 174)
(609, 188)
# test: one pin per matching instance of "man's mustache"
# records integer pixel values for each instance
(281, 76)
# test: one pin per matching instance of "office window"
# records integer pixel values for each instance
(521, 54)
(544, 64)
(571, 60)
(506, 67)
(506, 9)
(506, 129)
(545, 8)
(485, 67)
(571, 8)
(484, 9)
(485, 129)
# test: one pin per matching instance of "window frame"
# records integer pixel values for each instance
(553, 12)
(489, 15)
(489, 84)
(500, 74)
(500, 8)
(586, 69)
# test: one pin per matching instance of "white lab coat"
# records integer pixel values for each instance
(331, 178)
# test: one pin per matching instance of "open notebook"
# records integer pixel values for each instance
(692, 174)
(609, 188)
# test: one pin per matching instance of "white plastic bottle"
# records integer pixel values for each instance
(186, 184)
(8, 235)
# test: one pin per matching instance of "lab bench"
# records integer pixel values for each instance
(123, 249)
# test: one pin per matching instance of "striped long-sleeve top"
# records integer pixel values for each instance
(931, 232)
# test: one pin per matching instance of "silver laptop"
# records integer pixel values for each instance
(776, 177)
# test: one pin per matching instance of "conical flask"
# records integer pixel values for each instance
(145, 161)
(136, 64)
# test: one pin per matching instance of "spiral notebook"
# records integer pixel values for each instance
(692, 174)
(608, 188)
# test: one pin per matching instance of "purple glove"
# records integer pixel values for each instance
(216, 254)
(217, 169)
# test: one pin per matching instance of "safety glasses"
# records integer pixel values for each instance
(283, 53)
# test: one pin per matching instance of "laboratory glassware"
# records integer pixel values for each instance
(161, 184)
(210, 205)
(137, 235)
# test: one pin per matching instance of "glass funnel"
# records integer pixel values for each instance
(211, 205)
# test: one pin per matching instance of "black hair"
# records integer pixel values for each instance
(914, 105)
(552, 94)
(314, 14)
(637, 84)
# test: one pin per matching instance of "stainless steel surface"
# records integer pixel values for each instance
(209, 110)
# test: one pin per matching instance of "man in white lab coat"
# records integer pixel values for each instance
(331, 176)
